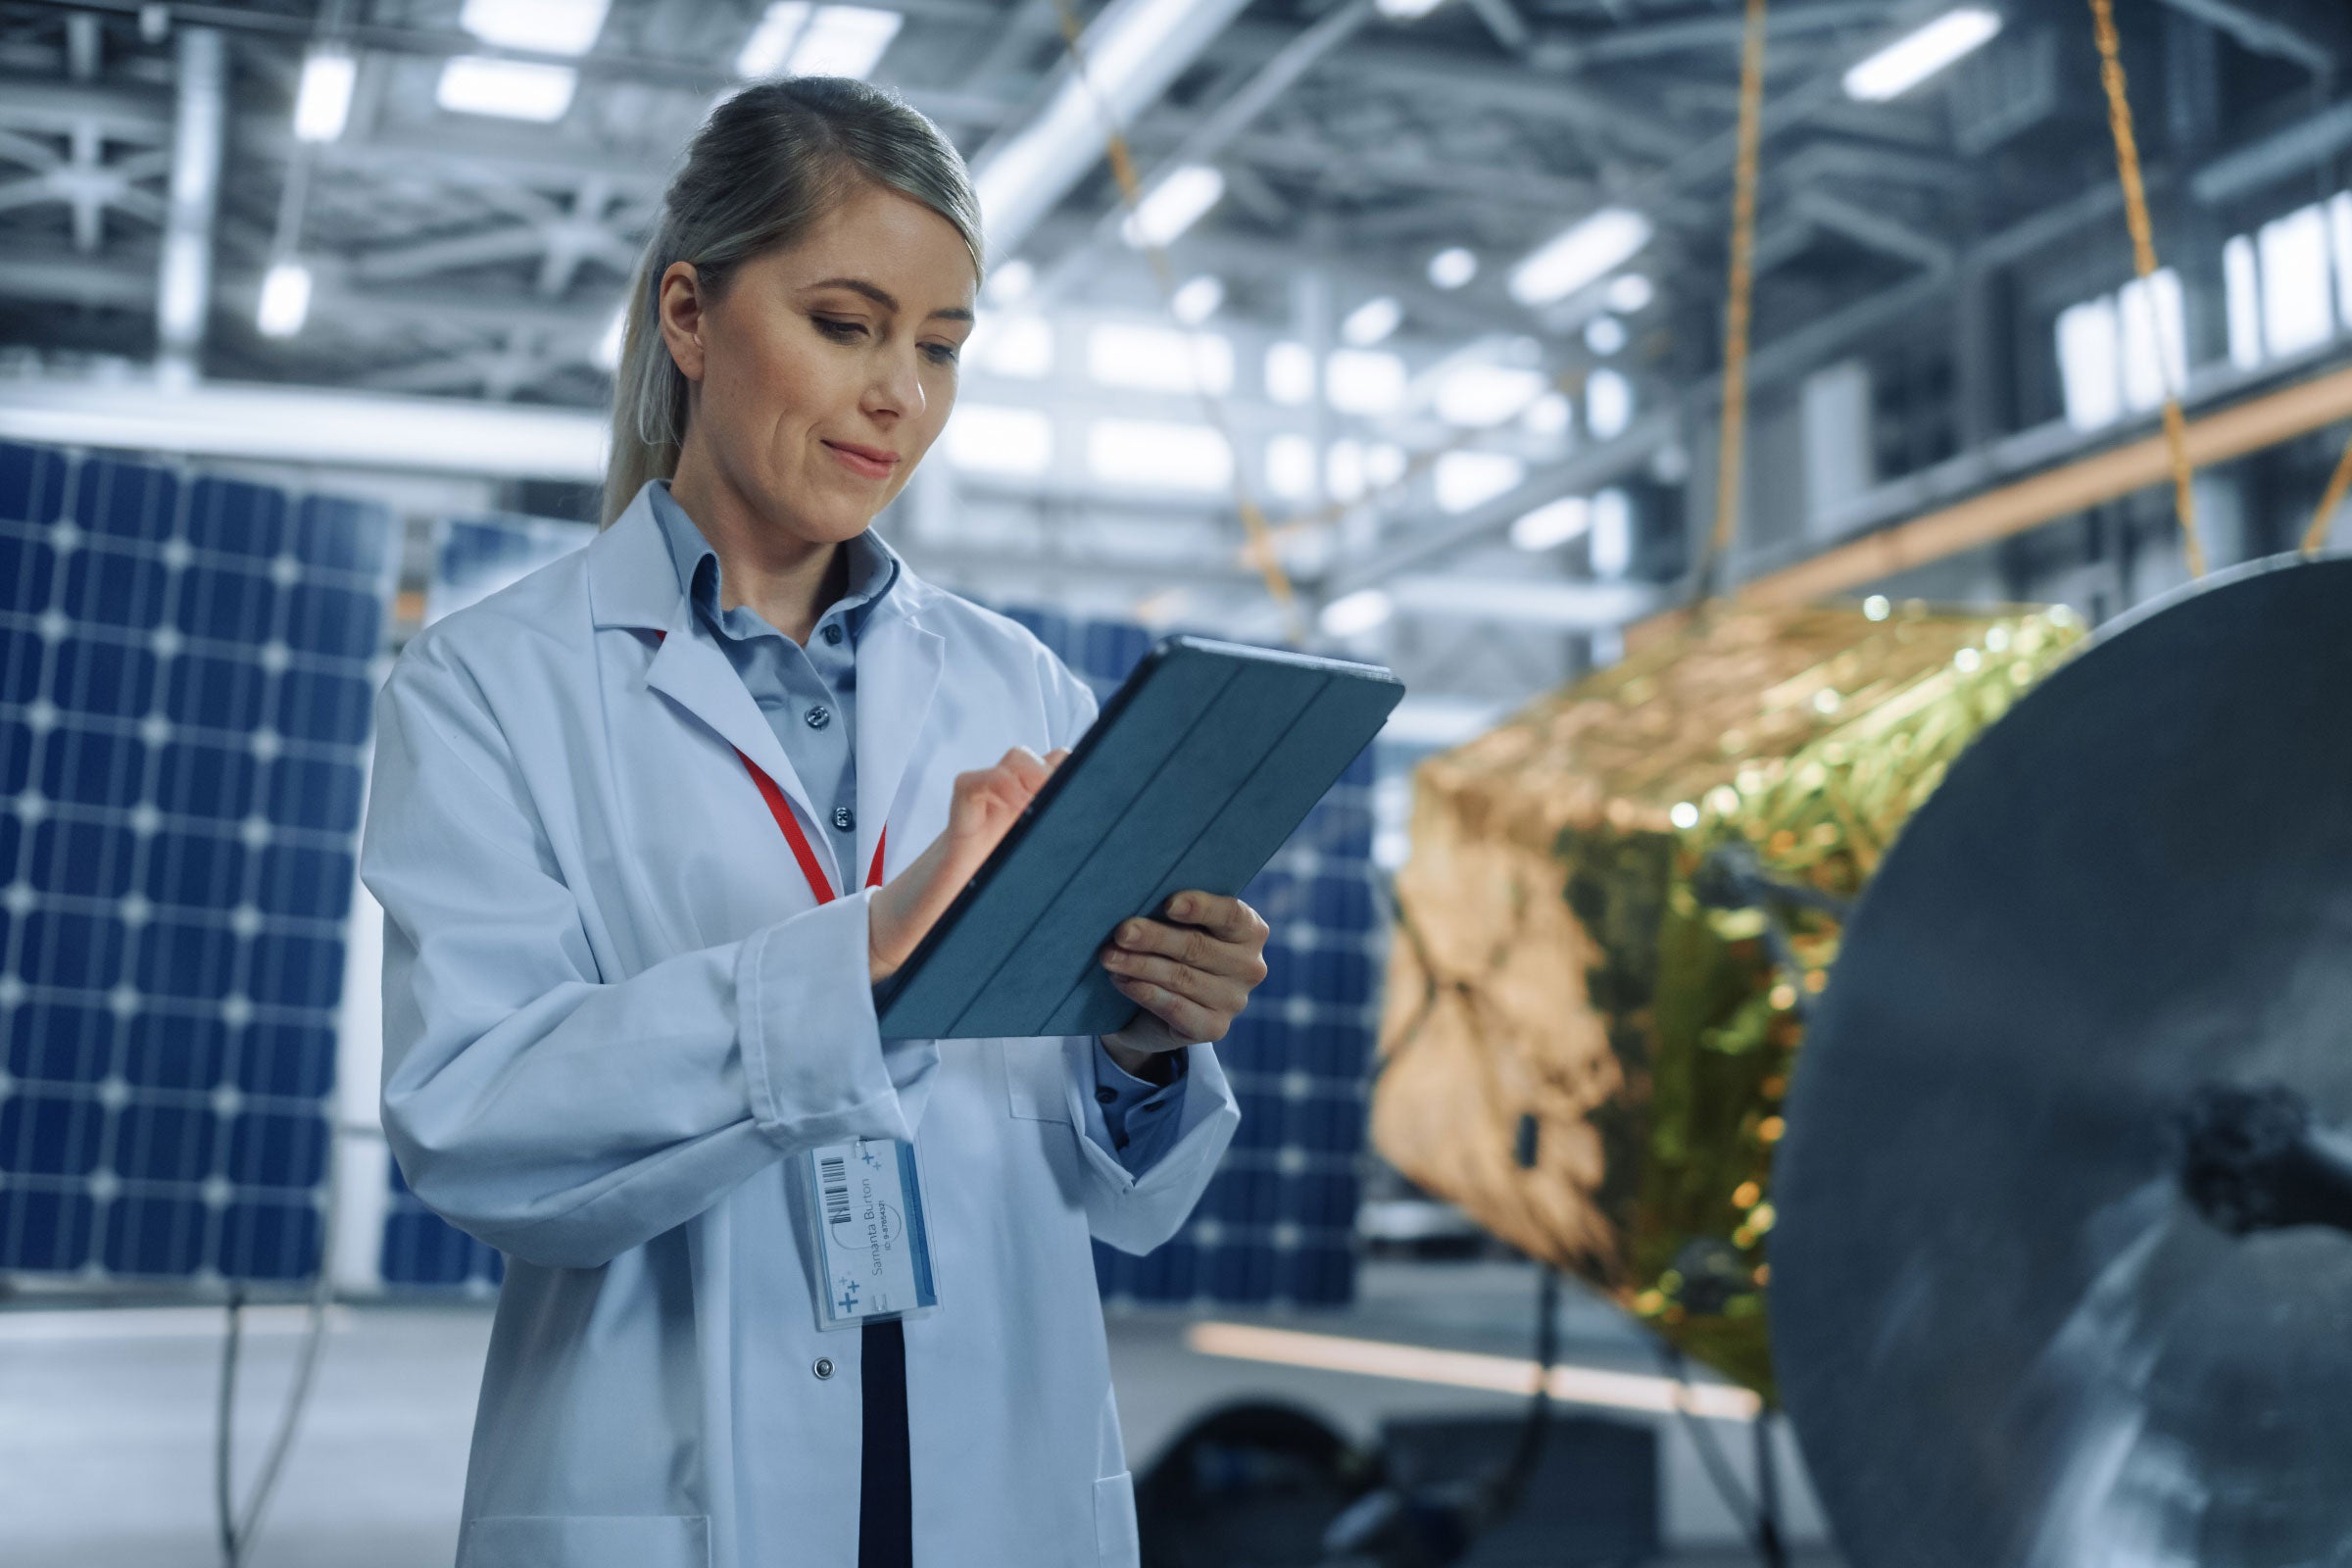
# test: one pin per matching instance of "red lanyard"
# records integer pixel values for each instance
(779, 807)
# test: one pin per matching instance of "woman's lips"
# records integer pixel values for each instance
(871, 462)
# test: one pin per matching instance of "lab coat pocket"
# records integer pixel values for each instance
(1115, 1541)
(1036, 1080)
(590, 1540)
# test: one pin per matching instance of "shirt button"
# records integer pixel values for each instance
(832, 634)
(1105, 1096)
(818, 716)
(843, 819)
(824, 1368)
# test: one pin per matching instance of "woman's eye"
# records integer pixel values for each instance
(839, 330)
(944, 353)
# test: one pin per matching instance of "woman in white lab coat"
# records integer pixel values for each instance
(621, 993)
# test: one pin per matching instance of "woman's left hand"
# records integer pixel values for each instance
(1191, 974)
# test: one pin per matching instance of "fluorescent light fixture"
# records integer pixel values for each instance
(323, 102)
(1605, 334)
(312, 424)
(543, 26)
(181, 301)
(1172, 206)
(607, 347)
(1134, 49)
(1552, 524)
(1917, 55)
(1453, 268)
(1464, 479)
(1010, 283)
(1364, 381)
(1290, 375)
(1406, 10)
(1608, 404)
(1630, 292)
(779, 28)
(2297, 312)
(1372, 321)
(1353, 614)
(2241, 287)
(1385, 464)
(1584, 253)
(285, 300)
(511, 89)
(1197, 300)
(1613, 530)
(1160, 454)
(1551, 415)
(1478, 395)
(843, 41)
(1290, 467)
(993, 438)
(1020, 346)
(1158, 358)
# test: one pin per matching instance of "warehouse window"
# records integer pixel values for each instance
(2289, 284)
(2119, 353)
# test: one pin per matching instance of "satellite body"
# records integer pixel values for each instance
(1619, 904)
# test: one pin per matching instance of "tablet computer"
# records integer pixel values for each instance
(1194, 773)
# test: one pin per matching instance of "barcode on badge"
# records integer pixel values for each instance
(833, 1178)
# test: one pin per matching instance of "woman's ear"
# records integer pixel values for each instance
(682, 319)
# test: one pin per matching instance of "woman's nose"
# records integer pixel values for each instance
(896, 389)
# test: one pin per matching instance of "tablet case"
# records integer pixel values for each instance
(1197, 771)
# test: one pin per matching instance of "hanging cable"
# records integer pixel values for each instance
(1261, 552)
(2144, 259)
(1737, 308)
(2316, 539)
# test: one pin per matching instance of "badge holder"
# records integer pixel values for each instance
(868, 1238)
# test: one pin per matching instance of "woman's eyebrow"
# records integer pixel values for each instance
(888, 301)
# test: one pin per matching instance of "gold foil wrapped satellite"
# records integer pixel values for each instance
(1579, 1049)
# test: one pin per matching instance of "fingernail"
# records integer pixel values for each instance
(1132, 931)
(1182, 906)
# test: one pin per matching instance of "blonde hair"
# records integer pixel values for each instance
(765, 169)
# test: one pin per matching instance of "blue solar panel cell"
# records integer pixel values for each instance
(171, 953)
(128, 501)
(208, 780)
(32, 480)
(236, 519)
(224, 603)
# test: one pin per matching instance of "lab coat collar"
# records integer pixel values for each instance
(633, 585)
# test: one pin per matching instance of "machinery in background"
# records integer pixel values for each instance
(2056, 1281)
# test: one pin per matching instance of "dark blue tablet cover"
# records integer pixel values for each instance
(1193, 774)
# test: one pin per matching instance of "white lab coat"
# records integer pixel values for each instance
(612, 1007)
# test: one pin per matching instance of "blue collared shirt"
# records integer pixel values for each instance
(809, 695)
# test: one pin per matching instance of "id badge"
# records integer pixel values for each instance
(872, 1247)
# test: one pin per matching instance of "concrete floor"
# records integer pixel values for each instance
(107, 1418)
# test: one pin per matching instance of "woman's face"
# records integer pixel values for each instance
(824, 373)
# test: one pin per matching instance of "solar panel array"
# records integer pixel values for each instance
(186, 680)
(1278, 1222)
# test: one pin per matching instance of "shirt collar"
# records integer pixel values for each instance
(874, 568)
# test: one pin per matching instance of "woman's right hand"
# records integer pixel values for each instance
(986, 805)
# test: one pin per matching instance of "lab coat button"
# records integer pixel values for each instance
(1105, 1095)
(844, 819)
(833, 635)
(824, 1368)
(818, 716)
